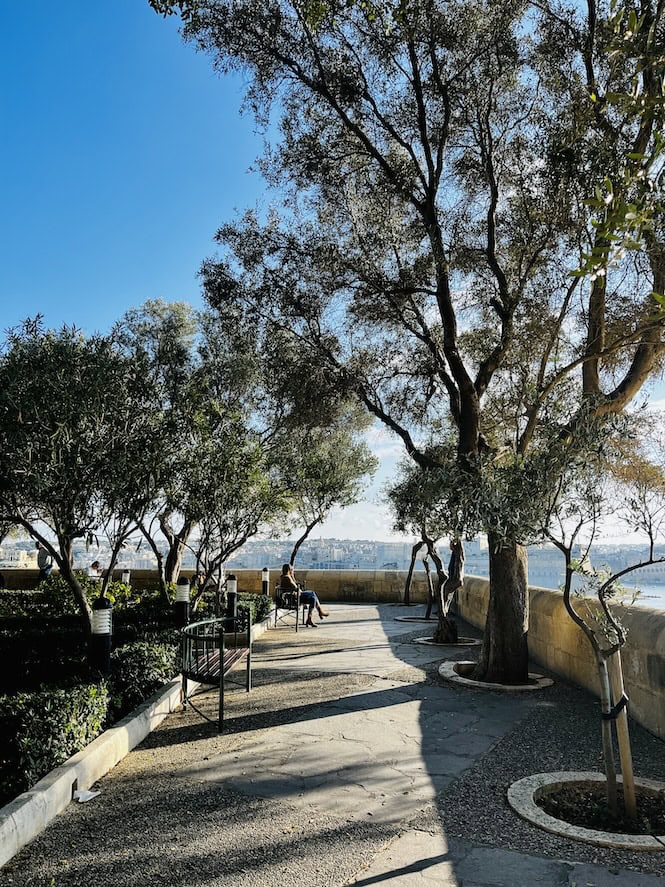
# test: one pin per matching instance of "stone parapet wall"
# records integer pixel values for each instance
(375, 586)
(560, 646)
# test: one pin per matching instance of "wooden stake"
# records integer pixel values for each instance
(623, 737)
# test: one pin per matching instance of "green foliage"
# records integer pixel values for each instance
(57, 598)
(325, 466)
(39, 731)
(628, 207)
(137, 670)
(260, 605)
(22, 603)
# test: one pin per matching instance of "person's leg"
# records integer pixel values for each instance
(322, 613)
(308, 598)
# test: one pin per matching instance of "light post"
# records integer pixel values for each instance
(125, 577)
(231, 596)
(265, 581)
(102, 635)
(182, 602)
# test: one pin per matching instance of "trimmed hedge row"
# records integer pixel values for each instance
(38, 731)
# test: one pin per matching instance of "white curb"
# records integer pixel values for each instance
(27, 815)
(448, 670)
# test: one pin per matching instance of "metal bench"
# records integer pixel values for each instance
(210, 649)
(288, 600)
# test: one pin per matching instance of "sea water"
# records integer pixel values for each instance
(650, 596)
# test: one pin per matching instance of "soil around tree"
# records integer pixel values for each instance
(586, 806)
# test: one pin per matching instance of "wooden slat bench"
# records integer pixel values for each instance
(210, 649)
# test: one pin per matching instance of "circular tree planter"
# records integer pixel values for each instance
(524, 794)
(458, 673)
(461, 642)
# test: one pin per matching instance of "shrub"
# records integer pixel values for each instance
(21, 603)
(39, 731)
(137, 670)
(261, 605)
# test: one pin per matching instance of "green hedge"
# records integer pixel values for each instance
(23, 603)
(39, 731)
(260, 605)
(137, 670)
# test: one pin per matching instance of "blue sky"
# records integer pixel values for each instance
(122, 152)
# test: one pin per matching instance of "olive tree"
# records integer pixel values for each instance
(435, 162)
(322, 469)
(633, 490)
(162, 336)
(72, 415)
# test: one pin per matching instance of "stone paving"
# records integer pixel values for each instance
(342, 766)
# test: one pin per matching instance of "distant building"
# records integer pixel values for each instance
(12, 558)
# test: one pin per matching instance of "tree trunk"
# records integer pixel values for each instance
(446, 629)
(504, 657)
(299, 542)
(173, 561)
(409, 575)
(176, 542)
(430, 590)
(160, 562)
(67, 572)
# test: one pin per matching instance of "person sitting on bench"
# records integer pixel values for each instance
(288, 581)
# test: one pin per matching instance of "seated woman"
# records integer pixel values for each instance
(288, 582)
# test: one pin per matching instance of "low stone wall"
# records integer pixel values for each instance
(558, 644)
(375, 586)
(331, 585)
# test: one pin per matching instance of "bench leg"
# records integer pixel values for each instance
(220, 723)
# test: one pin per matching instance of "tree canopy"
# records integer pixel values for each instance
(441, 170)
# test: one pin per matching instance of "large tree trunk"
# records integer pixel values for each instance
(504, 655)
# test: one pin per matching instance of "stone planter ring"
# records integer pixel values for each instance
(456, 673)
(524, 794)
(461, 642)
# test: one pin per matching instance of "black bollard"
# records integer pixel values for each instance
(101, 640)
(231, 597)
(182, 602)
